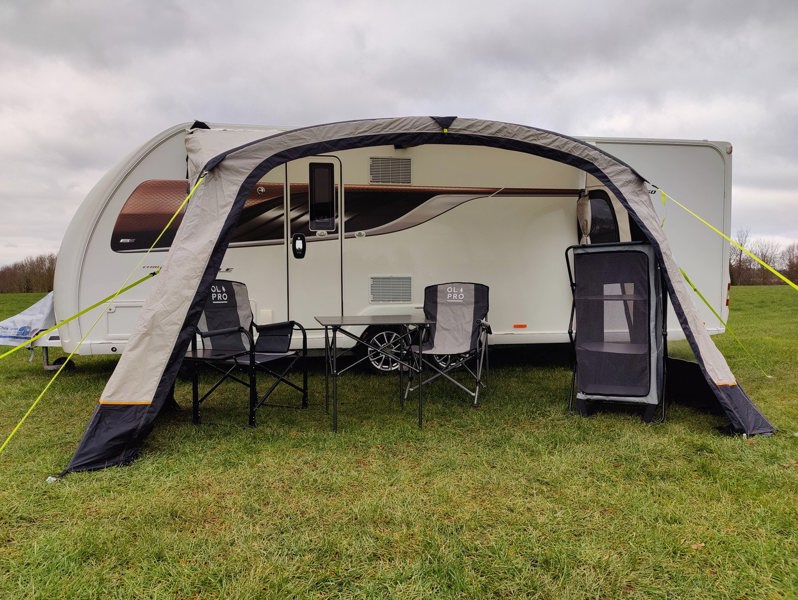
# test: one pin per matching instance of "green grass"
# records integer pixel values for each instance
(516, 499)
(11, 304)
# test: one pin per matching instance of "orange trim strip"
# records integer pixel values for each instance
(125, 403)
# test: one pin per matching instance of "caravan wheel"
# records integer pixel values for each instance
(388, 338)
(70, 364)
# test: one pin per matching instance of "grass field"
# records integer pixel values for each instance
(519, 498)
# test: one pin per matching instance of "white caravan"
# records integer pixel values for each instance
(414, 216)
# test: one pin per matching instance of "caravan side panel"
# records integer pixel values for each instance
(697, 174)
(87, 270)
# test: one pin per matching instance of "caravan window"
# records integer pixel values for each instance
(321, 178)
(148, 210)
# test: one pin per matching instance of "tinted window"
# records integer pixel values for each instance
(604, 225)
(322, 197)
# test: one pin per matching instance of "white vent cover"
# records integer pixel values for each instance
(390, 290)
(389, 170)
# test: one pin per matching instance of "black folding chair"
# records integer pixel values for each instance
(230, 347)
(458, 336)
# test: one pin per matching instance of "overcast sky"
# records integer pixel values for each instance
(86, 81)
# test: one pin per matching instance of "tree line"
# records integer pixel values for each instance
(33, 274)
(744, 270)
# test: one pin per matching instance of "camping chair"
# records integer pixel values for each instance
(229, 347)
(458, 335)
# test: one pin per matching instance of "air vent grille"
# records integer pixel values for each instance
(391, 290)
(389, 170)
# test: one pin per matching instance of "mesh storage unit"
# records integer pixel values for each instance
(617, 325)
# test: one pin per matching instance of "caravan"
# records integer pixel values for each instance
(364, 230)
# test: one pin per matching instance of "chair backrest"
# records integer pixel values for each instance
(456, 309)
(227, 306)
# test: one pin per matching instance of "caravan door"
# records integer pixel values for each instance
(314, 248)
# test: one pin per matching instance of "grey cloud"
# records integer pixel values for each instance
(94, 32)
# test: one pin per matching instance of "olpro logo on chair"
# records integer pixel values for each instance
(455, 293)
(219, 294)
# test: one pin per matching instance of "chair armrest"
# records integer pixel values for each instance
(225, 331)
(485, 326)
(304, 333)
(228, 331)
(276, 337)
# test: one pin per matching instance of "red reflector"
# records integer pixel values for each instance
(519, 325)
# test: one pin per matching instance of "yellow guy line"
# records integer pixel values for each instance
(725, 324)
(109, 299)
(68, 358)
(728, 239)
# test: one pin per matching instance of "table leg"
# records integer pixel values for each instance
(335, 378)
(420, 381)
(401, 359)
(327, 363)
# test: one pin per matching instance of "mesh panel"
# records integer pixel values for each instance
(613, 323)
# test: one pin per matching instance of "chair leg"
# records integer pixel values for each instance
(195, 404)
(474, 372)
(482, 361)
(253, 396)
(487, 363)
(413, 360)
(282, 376)
(304, 380)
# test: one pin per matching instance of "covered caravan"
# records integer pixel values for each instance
(229, 163)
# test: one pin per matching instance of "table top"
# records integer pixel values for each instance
(344, 321)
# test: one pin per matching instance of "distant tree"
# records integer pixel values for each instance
(744, 270)
(768, 252)
(33, 274)
(789, 262)
(740, 264)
